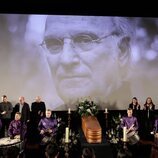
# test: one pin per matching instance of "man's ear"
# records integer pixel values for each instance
(125, 51)
(124, 56)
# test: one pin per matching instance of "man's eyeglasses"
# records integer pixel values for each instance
(79, 42)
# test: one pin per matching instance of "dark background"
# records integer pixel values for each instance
(79, 7)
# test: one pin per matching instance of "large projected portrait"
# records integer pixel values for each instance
(65, 59)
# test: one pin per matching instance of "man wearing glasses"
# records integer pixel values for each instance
(88, 56)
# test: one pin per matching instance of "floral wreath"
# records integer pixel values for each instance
(87, 108)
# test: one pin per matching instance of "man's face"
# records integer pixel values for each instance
(4, 99)
(17, 117)
(86, 65)
(21, 100)
(48, 114)
(38, 99)
(129, 113)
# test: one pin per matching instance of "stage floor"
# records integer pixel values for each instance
(101, 149)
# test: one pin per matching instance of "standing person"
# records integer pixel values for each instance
(81, 50)
(38, 109)
(135, 106)
(149, 119)
(149, 105)
(24, 109)
(6, 109)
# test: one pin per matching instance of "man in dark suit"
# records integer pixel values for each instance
(6, 109)
(24, 109)
(38, 109)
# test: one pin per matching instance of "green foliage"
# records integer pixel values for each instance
(68, 149)
(113, 134)
(87, 108)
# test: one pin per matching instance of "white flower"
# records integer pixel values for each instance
(88, 110)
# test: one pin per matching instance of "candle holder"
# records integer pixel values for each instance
(69, 119)
(68, 145)
(106, 119)
(66, 150)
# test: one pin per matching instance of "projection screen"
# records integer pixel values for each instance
(65, 59)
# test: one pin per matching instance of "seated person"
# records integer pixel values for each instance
(88, 152)
(47, 126)
(130, 122)
(15, 126)
(51, 151)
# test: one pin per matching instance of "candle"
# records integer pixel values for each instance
(67, 135)
(106, 110)
(69, 110)
(124, 134)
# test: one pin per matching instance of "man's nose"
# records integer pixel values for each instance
(69, 55)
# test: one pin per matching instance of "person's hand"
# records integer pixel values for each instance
(50, 131)
(4, 112)
(17, 137)
(41, 114)
(42, 132)
(131, 128)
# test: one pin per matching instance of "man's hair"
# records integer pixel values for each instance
(51, 150)
(130, 109)
(123, 26)
(19, 113)
(4, 96)
(48, 110)
(88, 153)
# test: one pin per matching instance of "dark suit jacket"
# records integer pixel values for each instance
(25, 113)
(36, 107)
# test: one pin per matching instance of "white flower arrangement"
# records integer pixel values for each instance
(87, 108)
(113, 134)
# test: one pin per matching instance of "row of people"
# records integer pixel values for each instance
(6, 110)
(132, 124)
(147, 120)
(136, 106)
(51, 151)
(132, 136)
(46, 126)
